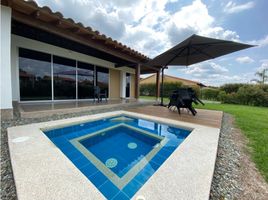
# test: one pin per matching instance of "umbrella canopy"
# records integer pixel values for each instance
(196, 49)
(193, 50)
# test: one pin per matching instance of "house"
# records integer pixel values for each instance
(48, 58)
(169, 79)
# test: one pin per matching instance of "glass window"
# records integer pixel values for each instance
(102, 79)
(64, 74)
(34, 75)
(85, 76)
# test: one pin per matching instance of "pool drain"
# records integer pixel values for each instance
(111, 163)
(132, 145)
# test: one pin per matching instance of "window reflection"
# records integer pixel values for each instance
(64, 74)
(36, 80)
(103, 79)
(85, 76)
(35, 75)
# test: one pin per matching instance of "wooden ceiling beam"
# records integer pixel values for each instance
(9, 3)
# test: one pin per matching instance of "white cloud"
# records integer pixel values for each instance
(244, 60)
(205, 70)
(148, 27)
(261, 42)
(210, 73)
(144, 25)
(264, 65)
(232, 7)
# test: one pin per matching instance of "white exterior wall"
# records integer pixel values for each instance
(5, 83)
(18, 41)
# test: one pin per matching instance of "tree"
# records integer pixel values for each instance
(263, 77)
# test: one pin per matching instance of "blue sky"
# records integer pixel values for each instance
(153, 26)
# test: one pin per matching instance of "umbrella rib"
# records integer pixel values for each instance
(174, 57)
(214, 43)
(203, 52)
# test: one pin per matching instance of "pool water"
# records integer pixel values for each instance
(119, 154)
(120, 148)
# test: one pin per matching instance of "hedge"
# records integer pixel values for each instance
(244, 94)
(149, 89)
(210, 93)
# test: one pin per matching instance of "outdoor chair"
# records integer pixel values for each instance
(195, 99)
(183, 98)
(99, 94)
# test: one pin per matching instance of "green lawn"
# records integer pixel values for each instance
(253, 121)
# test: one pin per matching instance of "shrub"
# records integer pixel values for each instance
(231, 98)
(170, 87)
(246, 94)
(210, 94)
(252, 95)
(148, 89)
(222, 96)
(231, 87)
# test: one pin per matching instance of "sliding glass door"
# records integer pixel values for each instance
(102, 79)
(34, 75)
(46, 77)
(85, 79)
(64, 75)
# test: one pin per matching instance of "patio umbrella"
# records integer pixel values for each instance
(193, 50)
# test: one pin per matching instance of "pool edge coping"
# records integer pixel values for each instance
(151, 189)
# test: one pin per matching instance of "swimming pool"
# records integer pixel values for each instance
(118, 154)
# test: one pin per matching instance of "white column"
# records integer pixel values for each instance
(123, 84)
(5, 83)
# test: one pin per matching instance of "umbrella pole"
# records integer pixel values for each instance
(162, 88)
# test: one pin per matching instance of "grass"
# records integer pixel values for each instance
(253, 122)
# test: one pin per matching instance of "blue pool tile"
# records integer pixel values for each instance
(72, 154)
(158, 159)
(67, 130)
(165, 153)
(59, 140)
(81, 133)
(109, 190)
(66, 147)
(121, 196)
(145, 174)
(50, 133)
(70, 136)
(154, 165)
(169, 148)
(98, 179)
(80, 162)
(89, 170)
(98, 146)
(132, 187)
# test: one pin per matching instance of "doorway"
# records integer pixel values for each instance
(128, 85)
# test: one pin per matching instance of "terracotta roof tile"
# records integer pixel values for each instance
(70, 22)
